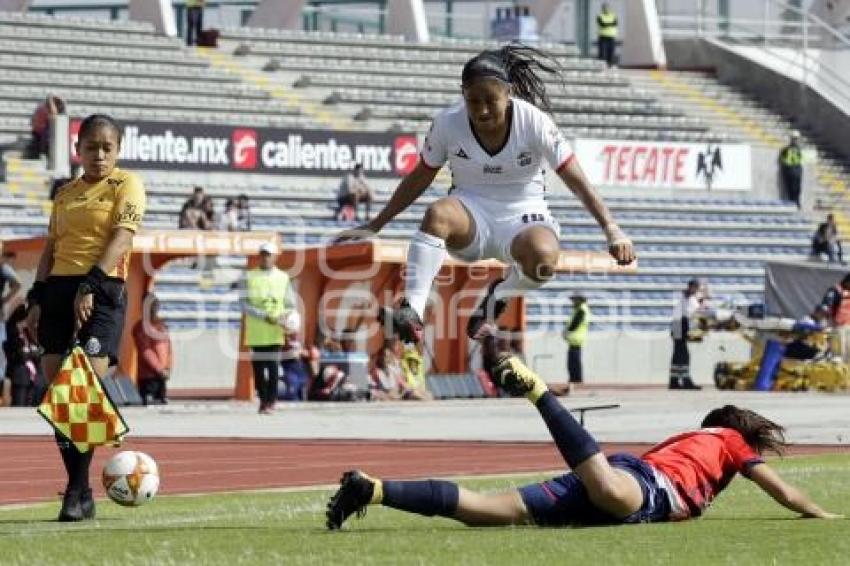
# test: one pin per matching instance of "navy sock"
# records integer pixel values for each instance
(575, 444)
(426, 497)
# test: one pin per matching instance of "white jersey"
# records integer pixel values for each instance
(515, 171)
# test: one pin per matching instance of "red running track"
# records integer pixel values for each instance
(31, 470)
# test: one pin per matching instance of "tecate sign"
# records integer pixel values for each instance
(665, 165)
(194, 147)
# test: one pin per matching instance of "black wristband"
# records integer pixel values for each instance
(96, 276)
(93, 283)
(36, 293)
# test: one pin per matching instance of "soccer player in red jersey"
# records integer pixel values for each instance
(675, 480)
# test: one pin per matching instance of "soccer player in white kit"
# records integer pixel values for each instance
(495, 140)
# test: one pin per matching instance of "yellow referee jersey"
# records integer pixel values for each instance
(84, 216)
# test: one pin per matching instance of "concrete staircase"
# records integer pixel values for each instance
(24, 195)
(278, 84)
(729, 110)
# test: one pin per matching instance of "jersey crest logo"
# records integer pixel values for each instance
(492, 169)
(524, 159)
(460, 153)
(93, 346)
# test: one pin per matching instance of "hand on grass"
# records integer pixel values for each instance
(822, 515)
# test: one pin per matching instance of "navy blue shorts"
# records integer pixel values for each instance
(564, 500)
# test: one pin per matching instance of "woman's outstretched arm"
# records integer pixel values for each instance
(786, 494)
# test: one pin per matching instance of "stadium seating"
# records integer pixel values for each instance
(386, 83)
(726, 108)
(130, 72)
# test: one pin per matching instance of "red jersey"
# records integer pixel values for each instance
(701, 463)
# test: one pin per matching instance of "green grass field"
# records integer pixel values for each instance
(743, 527)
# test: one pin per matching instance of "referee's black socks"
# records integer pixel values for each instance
(76, 463)
(69, 455)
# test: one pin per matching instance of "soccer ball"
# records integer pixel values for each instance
(130, 478)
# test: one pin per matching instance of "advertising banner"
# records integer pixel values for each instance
(208, 147)
(617, 163)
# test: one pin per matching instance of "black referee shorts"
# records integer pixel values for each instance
(100, 336)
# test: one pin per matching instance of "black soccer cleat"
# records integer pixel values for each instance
(486, 314)
(72, 509)
(354, 494)
(87, 504)
(404, 321)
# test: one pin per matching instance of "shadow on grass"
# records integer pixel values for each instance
(365, 530)
(749, 519)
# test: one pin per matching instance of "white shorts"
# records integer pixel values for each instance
(498, 222)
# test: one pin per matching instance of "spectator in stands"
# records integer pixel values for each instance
(23, 373)
(5, 392)
(387, 379)
(331, 382)
(413, 372)
(685, 310)
(230, 217)
(296, 362)
(606, 24)
(244, 207)
(791, 166)
(153, 345)
(40, 125)
(267, 299)
(192, 214)
(575, 333)
(9, 277)
(835, 304)
(826, 241)
(353, 189)
(194, 20)
(209, 220)
(835, 309)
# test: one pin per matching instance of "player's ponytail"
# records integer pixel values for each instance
(760, 433)
(517, 65)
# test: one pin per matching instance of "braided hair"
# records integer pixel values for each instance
(517, 65)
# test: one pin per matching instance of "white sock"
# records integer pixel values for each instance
(516, 283)
(424, 258)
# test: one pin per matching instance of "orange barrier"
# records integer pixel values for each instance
(343, 281)
(339, 281)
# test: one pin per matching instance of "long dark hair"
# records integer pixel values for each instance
(517, 65)
(760, 433)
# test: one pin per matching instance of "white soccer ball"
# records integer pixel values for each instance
(131, 478)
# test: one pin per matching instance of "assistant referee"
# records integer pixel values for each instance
(79, 285)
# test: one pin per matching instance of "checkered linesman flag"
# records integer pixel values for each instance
(77, 406)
